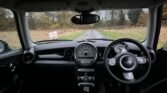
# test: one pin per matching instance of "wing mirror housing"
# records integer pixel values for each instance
(3, 46)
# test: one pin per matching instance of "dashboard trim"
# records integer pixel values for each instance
(59, 63)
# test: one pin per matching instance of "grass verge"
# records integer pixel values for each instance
(137, 33)
(134, 33)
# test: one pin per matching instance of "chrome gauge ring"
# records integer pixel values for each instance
(85, 54)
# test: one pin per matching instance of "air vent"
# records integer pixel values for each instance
(28, 56)
(68, 53)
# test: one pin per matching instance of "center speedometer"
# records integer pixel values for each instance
(85, 54)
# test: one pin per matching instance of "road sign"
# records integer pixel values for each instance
(53, 35)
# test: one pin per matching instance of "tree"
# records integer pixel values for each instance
(164, 15)
(133, 16)
(121, 19)
(6, 20)
(31, 21)
(143, 19)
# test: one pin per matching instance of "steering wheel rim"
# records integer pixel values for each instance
(142, 48)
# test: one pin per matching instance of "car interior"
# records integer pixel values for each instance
(93, 65)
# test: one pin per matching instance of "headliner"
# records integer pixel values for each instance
(79, 5)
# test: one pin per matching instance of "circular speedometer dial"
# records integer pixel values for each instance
(85, 54)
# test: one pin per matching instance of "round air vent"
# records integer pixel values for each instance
(28, 56)
(68, 53)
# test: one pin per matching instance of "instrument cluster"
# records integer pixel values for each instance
(85, 54)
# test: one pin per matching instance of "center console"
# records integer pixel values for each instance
(86, 80)
(85, 56)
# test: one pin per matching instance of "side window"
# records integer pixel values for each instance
(8, 31)
(163, 34)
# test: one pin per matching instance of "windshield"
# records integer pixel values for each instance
(113, 24)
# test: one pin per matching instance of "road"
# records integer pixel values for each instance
(90, 34)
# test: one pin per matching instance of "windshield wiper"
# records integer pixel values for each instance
(96, 39)
(104, 39)
(50, 41)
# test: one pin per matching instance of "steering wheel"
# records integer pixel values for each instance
(126, 66)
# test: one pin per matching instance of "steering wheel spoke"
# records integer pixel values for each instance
(128, 76)
(124, 50)
(141, 60)
(111, 61)
(120, 48)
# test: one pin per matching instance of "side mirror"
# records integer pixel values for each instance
(85, 19)
(3, 46)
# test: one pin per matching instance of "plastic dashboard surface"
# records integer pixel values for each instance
(55, 53)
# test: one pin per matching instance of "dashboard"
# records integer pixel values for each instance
(82, 53)
(85, 60)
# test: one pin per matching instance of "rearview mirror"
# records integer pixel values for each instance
(85, 19)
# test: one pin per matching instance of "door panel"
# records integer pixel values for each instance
(8, 63)
(158, 75)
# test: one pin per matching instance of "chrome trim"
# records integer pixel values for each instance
(123, 67)
(80, 44)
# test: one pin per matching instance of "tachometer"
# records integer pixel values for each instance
(85, 54)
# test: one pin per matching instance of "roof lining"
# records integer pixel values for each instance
(52, 5)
